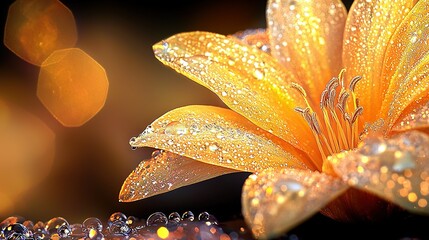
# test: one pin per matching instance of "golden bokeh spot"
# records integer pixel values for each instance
(26, 153)
(162, 232)
(36, 28)
(72, 86)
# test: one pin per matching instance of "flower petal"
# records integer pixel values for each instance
(369, 27)
(275, 201)
(407, 64)
(306, 36)
(165, 172)
(255, 37)
(395, 169)
(220, 137)
(418, 118)
(249, 81)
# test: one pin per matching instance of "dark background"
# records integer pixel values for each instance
(93, 160)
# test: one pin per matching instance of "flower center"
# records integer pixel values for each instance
(336, 129)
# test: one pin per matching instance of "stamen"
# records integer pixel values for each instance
(334, 134)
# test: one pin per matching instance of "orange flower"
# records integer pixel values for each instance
(337, 146)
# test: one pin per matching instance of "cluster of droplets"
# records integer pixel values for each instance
(118, 226)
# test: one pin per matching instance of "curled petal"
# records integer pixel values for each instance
(275, 201)
(248, 80)
(306, 36)
(165, 172)
(220, 137)
(407, 64)
(370, 25)
(396, 169)
(418, 118)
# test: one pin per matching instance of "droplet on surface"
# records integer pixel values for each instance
(157, 218)
(36, 28)
(207, 217)
(188, 216)
(58, 227)
(275, 200)
(398, 174)
(17, 231)
(72, 86)
(92, 223)
(174, 217)
(175, 128)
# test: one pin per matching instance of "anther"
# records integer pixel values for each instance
(331, 98)
(300, 110)
(353, 82)
(333, 83)
(323, 99)
(357, 113)
(299, 88)
(315, 123)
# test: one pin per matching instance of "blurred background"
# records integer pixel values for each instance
(92, 161)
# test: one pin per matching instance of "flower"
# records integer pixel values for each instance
(338, 146)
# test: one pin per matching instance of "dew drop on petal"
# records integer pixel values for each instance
(259, 74)
(398, 174)
(175, 128)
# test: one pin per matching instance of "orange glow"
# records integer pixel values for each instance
(72, 86)
(36, 28)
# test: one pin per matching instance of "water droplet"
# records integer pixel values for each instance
(213, 147)
(207, 217)
(39, 231)
(372, 147)
(135, 224)
(156, 218)
(117, 216)
(95, 235)
(17, 231)
(174, 217)
(77, 231)
(259, 74)
(220, 135)
(156, 153)
(10, 220)
(291, 189)
(119, 228)
(92, 223)
(403, 161)
(64, 231)
(53, 226)
(175, 128)
(149, 130)
(414, 38)
(188, 215)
